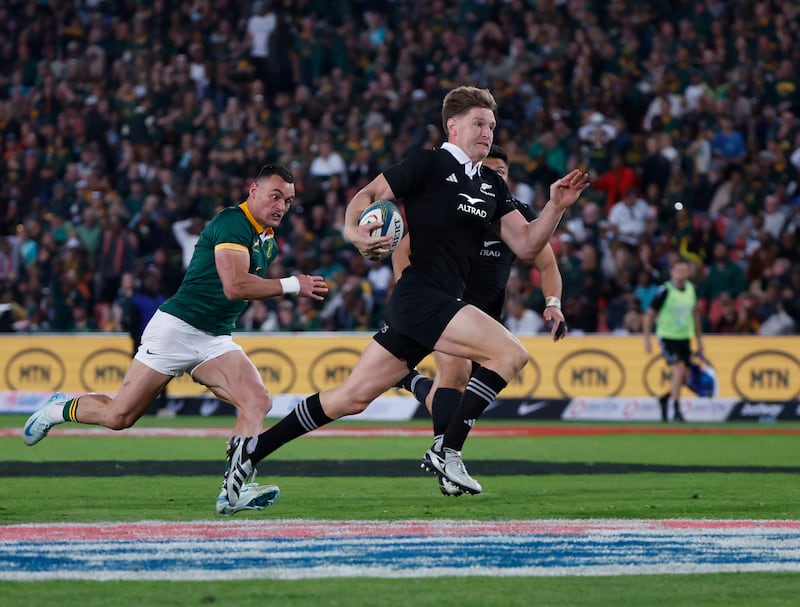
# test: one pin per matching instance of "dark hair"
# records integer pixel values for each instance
(268, 170)
(462, 99)
(497, 152)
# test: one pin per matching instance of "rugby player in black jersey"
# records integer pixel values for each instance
(449, 204)
(486, 290)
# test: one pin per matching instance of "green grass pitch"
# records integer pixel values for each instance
(764, 486)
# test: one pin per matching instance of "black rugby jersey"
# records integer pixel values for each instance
(447, 212)
(486, 285)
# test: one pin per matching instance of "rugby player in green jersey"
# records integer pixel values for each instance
(191, 331)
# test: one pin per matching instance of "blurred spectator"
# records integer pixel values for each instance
(68, 295)
(187, 233)
(258, 317)
(89, 231)
(724, 276)
(697, 92)
(725, 317)
(655, 168)
(116, 255)
(769, 304)
(788, 314)
(380, 278)
(728, 192)
(646, 287)
(144, 303)
(121, 306)
(308, 317)
(286, 317)
(9, 260)
(260, 27)
(738, 225)
(328, 163)
(587, 227)
(728, 143)
(748, 323)
(329, 267)
(7, 317)
(618, 180)
(703, 239)
(362, 168)
(632, 322)
(349, 310)
(81, 320)
(626, 220)
(774, 217)
(521, 320)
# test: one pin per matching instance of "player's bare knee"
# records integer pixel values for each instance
(519, 357)
(463, 378)
(513, 357)
(456, 377)
(263, 404)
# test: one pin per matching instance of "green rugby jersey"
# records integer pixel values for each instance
(676, 316)
(200, 300)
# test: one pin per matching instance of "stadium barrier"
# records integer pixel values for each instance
(586, 377)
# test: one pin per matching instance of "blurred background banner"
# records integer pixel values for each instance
(749, 369)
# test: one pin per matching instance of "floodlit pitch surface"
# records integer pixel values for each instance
(571, 515)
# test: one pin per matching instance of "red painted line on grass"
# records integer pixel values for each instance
(298, 529)
(495, 431)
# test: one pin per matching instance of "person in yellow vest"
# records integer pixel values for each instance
(677, 321)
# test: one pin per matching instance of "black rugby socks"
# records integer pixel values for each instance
(421, 387)
(481, 391)
(444, 407)
(306, 417)
(416, 383)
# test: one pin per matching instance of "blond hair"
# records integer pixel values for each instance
(462, 99)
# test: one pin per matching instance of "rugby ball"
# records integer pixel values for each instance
(387, 212)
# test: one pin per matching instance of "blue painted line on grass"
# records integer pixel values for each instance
(595, 552)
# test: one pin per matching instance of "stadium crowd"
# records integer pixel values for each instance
(125, 125)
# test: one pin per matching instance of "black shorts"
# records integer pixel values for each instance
(493, 307)
(676, 350)
(417, 314)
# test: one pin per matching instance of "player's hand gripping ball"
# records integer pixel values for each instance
(387, 212)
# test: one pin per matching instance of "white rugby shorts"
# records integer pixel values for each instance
(172, 346)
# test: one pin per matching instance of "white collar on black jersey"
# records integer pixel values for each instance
(469, 168)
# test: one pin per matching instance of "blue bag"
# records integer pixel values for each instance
(702, 379)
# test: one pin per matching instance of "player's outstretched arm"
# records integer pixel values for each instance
(237, 283)
(527, 239)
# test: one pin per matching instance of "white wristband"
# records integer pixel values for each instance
(553, 302)
(290, 285)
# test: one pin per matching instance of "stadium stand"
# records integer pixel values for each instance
(120, 120)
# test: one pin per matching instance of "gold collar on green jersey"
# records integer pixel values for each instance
(257, 226)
